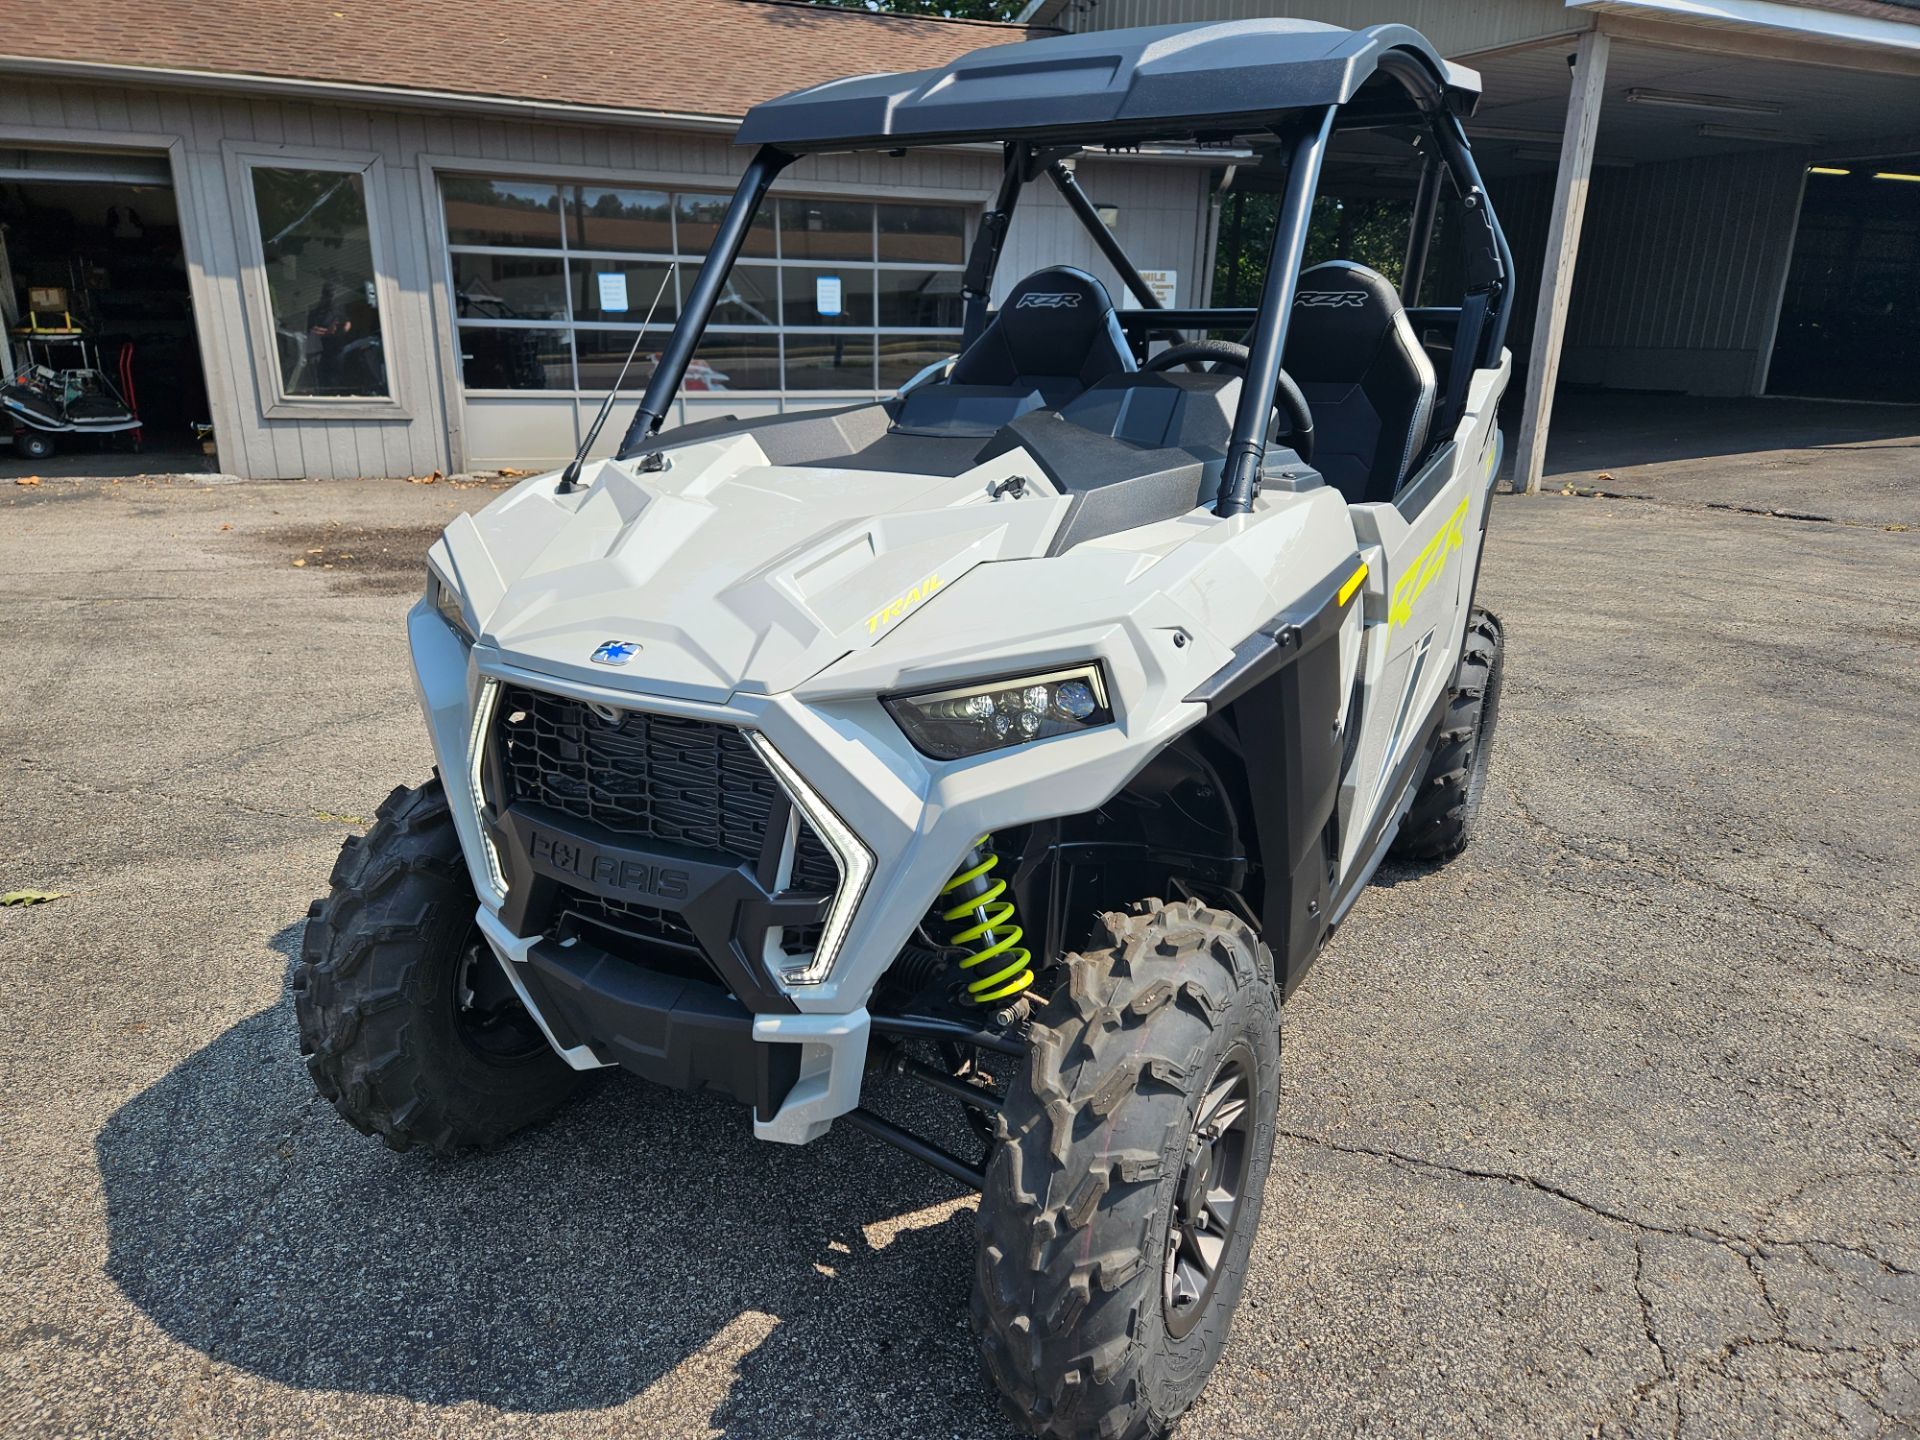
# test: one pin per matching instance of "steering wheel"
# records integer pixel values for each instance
(1286, 394)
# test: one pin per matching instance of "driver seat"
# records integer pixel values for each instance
(1365, 375)
(1055, 333)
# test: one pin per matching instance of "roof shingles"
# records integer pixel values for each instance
(683, 57)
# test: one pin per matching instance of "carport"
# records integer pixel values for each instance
(1718, 200)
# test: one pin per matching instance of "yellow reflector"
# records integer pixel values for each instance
(1827, 170)
(1894, 175)
(1353, 583)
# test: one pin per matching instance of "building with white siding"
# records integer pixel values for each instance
(365, 242)
(1712, 197)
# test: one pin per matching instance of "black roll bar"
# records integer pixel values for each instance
(1089, 216)
(767, 163)
(1426, 202)
(1248, 447)
(976, 285)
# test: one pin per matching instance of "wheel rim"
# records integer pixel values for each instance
(1208, 1201)
(487, 1014)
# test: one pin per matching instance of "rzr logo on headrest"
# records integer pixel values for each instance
(1049, 300)
(1330, 299)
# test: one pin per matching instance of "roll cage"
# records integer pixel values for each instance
(1280, 87)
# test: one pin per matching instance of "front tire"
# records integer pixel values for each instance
(1446, 807)
(34, 445)
(408, 1025)
(1122, 1199)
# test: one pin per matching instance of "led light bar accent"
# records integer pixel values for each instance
(853, 858)
(476, 789)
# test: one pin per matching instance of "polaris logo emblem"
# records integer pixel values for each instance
(1049, 300)
(636, 877)
(1330, 299)
(615, 652)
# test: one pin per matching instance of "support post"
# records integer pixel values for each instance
(1247, 447)
(708, 287)
(1563, 248)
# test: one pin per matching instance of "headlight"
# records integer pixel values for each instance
(996, 714)
(446, 600)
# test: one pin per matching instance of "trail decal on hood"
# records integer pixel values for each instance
(901, 604)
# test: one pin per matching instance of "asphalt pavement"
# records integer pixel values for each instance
(1607, 1127)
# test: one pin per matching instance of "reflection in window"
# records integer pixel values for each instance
(603, 352)
(508, 287)
(734, 362)
(501, 212)
(841, 361)
(821, 300)
(622, 290)
(698, 221)
(749, 298)
(904, 356)
(603, 218)
(514, 359)
(836, 296)
(318, 249)
(921, 298)
(825, 230)
(930, 234)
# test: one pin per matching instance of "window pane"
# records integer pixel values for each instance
(636, 282)
(699, 220)
(826, 230)
(604, 218)
(319, 269)
(748, 298)
(514, 359)
(904, 356)
(930, 234)
(501, 212)
(829, 362)
(603, 352)
(735, 362)
(508, 287)
(921, 297)
(831, 295)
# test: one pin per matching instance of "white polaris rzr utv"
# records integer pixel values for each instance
(1024, 735)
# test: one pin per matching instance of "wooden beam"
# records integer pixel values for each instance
(1563, 249)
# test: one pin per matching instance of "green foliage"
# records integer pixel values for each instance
(953, 9)
(1371, 231)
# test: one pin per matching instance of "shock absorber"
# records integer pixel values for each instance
(978, 904)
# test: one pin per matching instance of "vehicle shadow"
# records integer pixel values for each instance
(572, 1270)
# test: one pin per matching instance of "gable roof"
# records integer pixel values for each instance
(693, 58)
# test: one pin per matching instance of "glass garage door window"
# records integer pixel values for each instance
(552, 279)
(317, 251)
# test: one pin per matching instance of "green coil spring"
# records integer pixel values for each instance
(989, 935)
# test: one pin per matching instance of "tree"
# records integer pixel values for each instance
(952, 9)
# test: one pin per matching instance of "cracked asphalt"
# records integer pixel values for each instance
(1606, 1128)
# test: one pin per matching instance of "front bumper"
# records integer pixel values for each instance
(916, 818)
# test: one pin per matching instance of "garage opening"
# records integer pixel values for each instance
(1850, 320)
(101, 361)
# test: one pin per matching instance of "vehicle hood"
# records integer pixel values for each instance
(731, 573)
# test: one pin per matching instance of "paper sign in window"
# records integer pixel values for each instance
(828, 297)
(613, 290)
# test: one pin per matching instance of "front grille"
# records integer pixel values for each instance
(626, 917)
(648, 778)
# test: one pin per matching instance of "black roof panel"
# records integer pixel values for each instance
(1157, 81)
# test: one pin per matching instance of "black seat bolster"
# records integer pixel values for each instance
(1365, 375)
(1056, 332)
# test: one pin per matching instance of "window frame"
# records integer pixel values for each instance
(435, 170)
(242, 159)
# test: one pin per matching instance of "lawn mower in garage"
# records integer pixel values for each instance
(1023, 736)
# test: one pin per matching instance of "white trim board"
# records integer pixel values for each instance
(1772, 16)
